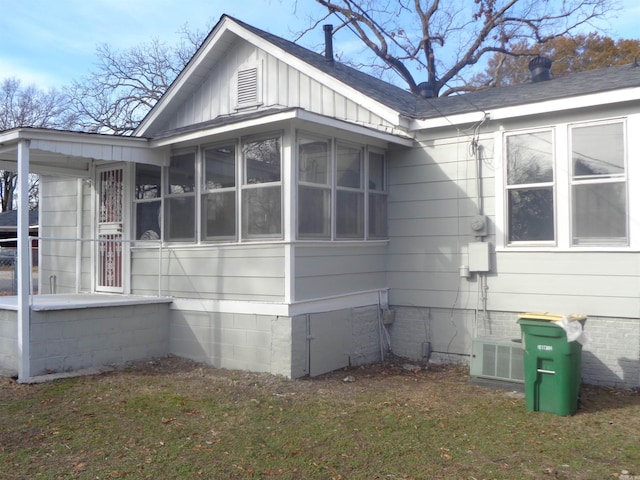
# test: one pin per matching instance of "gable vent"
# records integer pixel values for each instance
(248, 86)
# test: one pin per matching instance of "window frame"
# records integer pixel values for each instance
(205, 191)
(603, 179)
(168, 197)
(533, 186)
(247, 188)
(564, 203)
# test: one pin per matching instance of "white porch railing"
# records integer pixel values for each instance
(72, 265)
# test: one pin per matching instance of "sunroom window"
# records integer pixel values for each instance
(262, 188)
(179, 202)
(377, 195)
(530, 187)
(218, 205)
(147, 202)
(598, 184)
(349, 191)
(314, 187)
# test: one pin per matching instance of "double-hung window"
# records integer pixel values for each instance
(598, 185)
(218, 204)
(262, 188)
(530, 187)
(567, 186)
(180, 201)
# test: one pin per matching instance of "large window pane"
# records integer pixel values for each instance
(148, 181)
(598, 150)
(261, 212)
(599, 213)
(349, 166)
(349, 214)
(531, 214)
(148, 220)
(313, 161)
(314, 207)
(529, 158)
(179, 219)
(219, 215)
(220, 167)
(182, 173)
(262, 161)
(377, 215)
(376, 172)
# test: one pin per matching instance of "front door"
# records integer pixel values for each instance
(110, 249)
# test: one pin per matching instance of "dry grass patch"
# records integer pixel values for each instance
(172, 418)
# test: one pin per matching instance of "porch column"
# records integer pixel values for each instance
(24, 263)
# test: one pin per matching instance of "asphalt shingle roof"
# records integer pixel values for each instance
(412, 106)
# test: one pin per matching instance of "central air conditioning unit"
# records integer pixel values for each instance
(497, 359)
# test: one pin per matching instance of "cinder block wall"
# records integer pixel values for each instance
(66, 340)
(266, 343)
(258, 343)
(9, 341)
(612, 358)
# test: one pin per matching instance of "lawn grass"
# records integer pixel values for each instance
(173, 419)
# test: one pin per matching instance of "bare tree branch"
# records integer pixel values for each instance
(447, 38)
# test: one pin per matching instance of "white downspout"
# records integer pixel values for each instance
(24, 263)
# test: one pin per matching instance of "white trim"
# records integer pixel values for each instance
(289, 114)
(24, 264)
(280, 309)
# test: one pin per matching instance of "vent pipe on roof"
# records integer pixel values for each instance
(328, 43)
(540, 68)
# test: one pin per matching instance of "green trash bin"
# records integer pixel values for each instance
(552, 364)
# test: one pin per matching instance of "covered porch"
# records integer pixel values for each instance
(93, 320)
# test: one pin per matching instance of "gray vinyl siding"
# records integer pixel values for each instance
(244, 272)
(432, 199)
(58, 220)
(325, 271)
(282, 85)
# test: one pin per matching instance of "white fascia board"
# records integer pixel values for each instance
(549, 106)
(568, 104)
(447, 121)
(81, 145)
(389, 114)
(297, 114)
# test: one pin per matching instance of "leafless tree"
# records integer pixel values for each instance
(430, 43)
(29, 107)
(125, 85)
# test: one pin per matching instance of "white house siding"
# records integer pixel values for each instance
(432, 199)
(323, 271)
(234, 272)
(58, 220)
(282, 86)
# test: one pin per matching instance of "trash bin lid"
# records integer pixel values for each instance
(551, 317)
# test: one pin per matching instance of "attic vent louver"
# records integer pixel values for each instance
(248, 86)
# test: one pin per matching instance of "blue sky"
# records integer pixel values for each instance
(49, 43)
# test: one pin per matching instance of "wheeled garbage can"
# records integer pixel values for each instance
(552, 364)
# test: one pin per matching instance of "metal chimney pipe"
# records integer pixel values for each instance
(328, 43)
(540, 68)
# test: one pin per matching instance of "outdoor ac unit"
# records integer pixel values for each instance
(498, 359)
